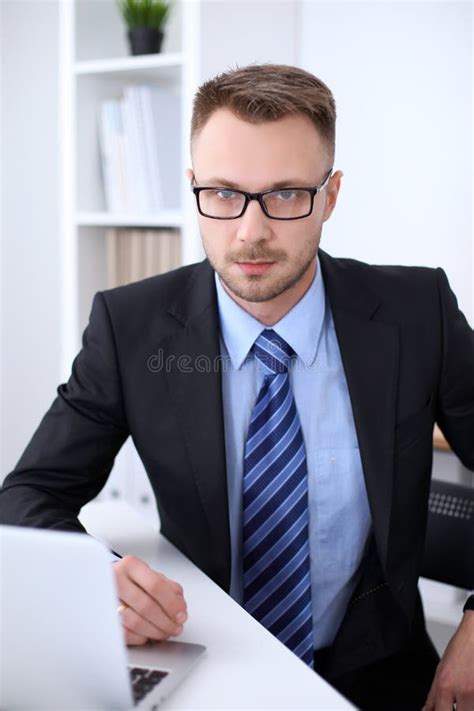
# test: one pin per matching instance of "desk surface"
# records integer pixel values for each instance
(245, 667)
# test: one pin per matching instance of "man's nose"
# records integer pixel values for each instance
(254, 225)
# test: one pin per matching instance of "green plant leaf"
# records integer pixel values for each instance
(144, 13)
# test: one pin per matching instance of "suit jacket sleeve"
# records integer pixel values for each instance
(69, 458)
(455, 397)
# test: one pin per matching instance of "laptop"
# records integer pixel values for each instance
(61, 641)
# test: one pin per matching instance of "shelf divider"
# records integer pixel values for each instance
(128, 64)
(166, 218)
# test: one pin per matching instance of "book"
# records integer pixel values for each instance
(144, 103)
(135, 182)
(111, 152)
(167, 151)
(135, 254)
(140, 146)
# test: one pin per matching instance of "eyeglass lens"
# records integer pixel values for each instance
(279, 203)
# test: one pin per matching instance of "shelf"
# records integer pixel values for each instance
(167, 218)
(169, 63)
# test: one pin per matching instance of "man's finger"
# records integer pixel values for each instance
(134, 639)
(148, 608)
(444, 700)
(135, 621)
(465, 703)
(176, 586)
(169, 597)
(147, 593)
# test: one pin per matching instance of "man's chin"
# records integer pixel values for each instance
(253, 289)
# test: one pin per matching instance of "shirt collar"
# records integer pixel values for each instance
(300, 327)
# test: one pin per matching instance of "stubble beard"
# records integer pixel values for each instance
(258, 288)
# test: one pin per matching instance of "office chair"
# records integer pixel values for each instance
(449, 545)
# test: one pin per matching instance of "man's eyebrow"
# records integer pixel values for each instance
(291, 182)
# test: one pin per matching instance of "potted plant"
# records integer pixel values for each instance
(145, 20)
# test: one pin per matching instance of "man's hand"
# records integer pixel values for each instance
(454, 678)
(155, 608)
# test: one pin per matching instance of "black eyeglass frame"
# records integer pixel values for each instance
(259, 197)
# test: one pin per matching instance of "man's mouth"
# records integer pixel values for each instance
(258, 266)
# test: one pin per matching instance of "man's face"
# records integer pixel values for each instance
(258, 258)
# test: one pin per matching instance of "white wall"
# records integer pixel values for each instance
(402, 76)
(30, 328)
(251, 31)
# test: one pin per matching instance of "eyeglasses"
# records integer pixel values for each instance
(229, 204)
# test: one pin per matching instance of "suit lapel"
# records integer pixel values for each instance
(370, 352)
(195, 386)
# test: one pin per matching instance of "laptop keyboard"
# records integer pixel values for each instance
(143, 681)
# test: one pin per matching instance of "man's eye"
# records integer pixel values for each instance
(226, 194)
(286, 195)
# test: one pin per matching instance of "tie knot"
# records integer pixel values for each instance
(272, 351)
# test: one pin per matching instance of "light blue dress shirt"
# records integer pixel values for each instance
(339, 518)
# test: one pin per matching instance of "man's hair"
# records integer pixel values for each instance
(267, 92)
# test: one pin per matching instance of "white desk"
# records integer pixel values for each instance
(245, 667)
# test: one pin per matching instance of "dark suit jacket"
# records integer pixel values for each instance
(149, 367)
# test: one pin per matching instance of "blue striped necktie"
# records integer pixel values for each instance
(276, 568)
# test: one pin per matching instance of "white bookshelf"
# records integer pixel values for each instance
(202, 38)
(95, 65)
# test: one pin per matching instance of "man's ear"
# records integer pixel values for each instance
(332, 190)
(189, 174)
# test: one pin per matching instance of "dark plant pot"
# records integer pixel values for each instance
(144, 40)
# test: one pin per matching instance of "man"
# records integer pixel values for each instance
(282, 403)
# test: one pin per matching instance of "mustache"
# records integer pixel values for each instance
(254, 254)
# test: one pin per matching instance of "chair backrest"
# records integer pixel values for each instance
(449, 546)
